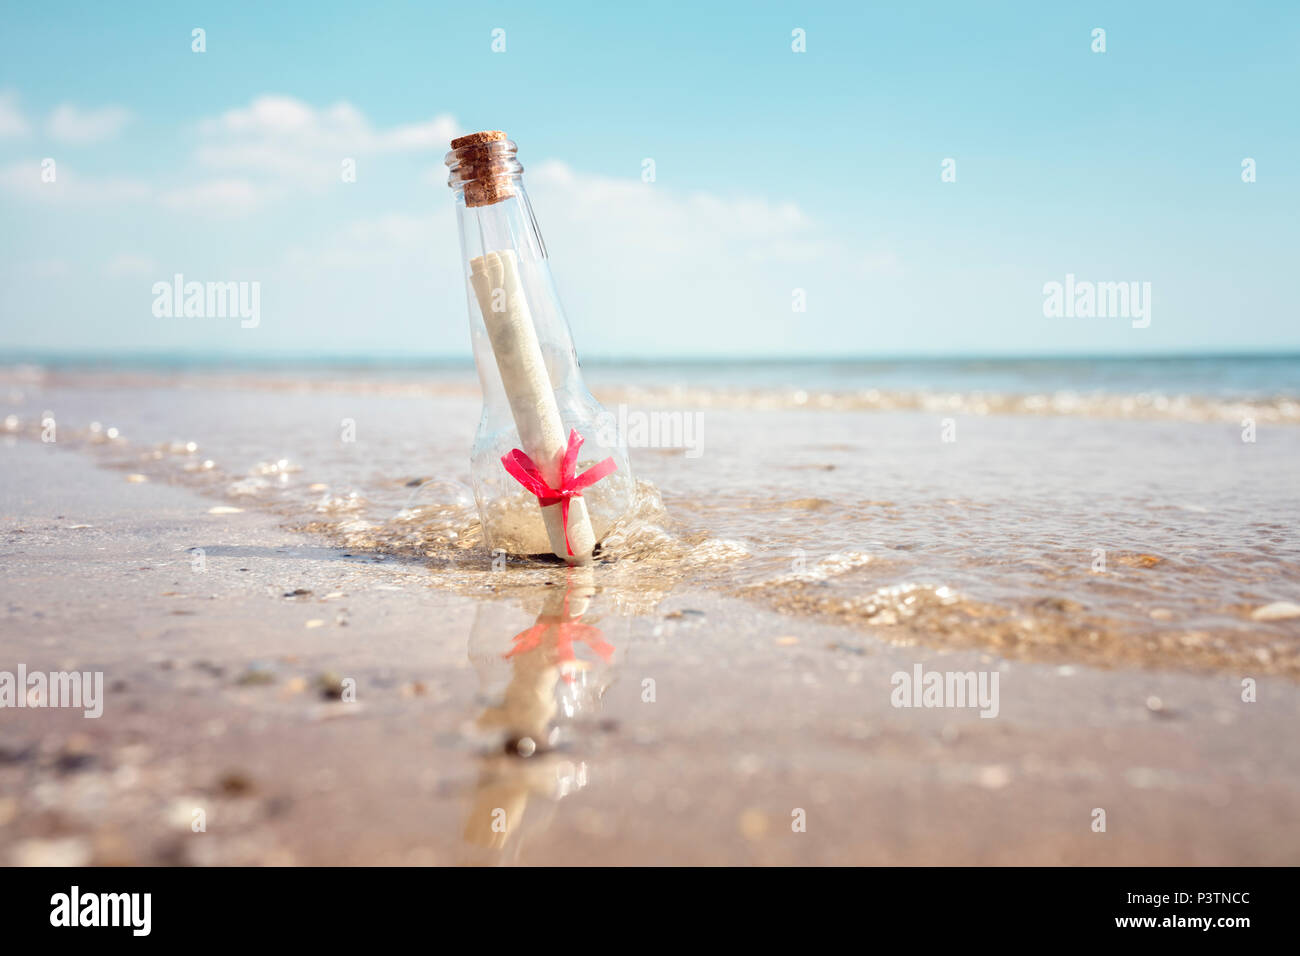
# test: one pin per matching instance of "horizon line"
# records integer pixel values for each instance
(126, 357)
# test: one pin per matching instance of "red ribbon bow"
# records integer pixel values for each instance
(524, 471)
(566, 628)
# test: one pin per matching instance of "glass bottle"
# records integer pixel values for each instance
(550, 471)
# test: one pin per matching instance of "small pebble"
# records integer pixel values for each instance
(236, 784)
(994, 777)
(255, 676)
(68, 851)
(753, 824)
(1277, 611)
(330, 685)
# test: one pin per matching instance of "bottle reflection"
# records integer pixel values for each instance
(555, 673)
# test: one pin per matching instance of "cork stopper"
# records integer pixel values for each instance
(484, 164)
(478, 139)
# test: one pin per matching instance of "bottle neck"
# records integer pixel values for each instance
(491, 202)
(507, 224)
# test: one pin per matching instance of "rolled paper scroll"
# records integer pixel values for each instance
(495, 280)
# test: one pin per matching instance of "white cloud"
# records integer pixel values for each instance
(295, 143)
(69, 124)
(12, 121)
(641, 266)
(128, 264)
(24, 180)
(271, 149)
(48, 268)
(606, 219)
(392, 240)
(215, 198)
(882, 262)
(659, 221)
(219, 198)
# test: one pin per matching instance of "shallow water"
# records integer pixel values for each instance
(1113, 523)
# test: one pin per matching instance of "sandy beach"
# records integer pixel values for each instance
(333, 678)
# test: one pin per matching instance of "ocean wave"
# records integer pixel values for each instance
(1152, 405)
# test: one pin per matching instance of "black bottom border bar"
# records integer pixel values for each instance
(309, 904)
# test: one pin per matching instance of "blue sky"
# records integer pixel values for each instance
(775, 171)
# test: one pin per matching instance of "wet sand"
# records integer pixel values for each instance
(223, 696)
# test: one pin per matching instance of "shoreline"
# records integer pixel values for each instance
(213, 702)
(620, 385)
